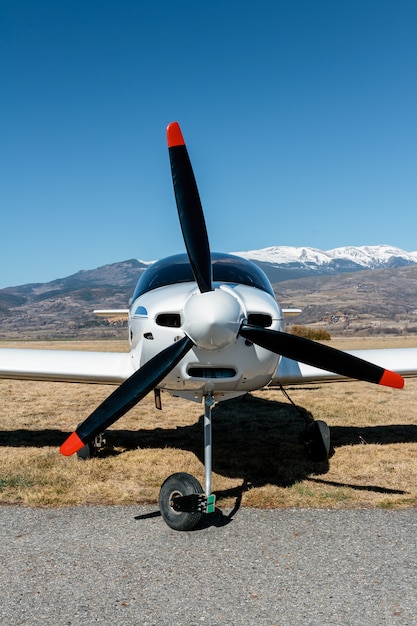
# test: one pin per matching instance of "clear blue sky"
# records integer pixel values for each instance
(300, 117)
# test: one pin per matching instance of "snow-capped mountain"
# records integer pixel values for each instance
(30, 310)
(346, 259)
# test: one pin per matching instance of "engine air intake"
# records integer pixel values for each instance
(211, 372)
(259, 319)
(173, 320)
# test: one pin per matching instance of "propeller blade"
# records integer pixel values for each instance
(189, 207)
(318, 355)
(127, 395)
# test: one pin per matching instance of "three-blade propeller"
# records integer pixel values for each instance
(194, 231)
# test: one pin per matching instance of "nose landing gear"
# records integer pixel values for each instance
(181, 500)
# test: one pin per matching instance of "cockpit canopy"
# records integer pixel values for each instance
(227, 268)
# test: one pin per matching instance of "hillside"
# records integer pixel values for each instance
(362, 301)
(64, 307)
(366, 302)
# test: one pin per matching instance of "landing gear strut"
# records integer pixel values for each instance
(181, 500)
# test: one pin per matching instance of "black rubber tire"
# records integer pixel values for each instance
(179, 484)
(85, 453)
(317, 441)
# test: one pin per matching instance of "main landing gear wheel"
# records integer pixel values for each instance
(92, 449)
(176, 486)
(317, 441)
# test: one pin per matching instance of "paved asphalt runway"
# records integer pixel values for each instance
(123, 565)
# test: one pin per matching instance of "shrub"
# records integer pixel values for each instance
(316, 334)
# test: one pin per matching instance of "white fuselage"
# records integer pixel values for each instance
(221, 363)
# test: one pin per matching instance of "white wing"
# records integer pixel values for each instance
(400, 360)
(66, 365)
(116, 367)
(113, 313)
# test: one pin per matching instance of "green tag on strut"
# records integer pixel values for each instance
(211, 503)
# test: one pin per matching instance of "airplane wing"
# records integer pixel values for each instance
(66, 365)
(116, 367)
(112, 313)
(400, 360)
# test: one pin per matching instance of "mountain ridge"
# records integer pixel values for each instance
(366, 257)
(368, 297)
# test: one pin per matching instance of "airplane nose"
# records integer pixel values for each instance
(212, 319)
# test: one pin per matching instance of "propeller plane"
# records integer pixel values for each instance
(204, 326)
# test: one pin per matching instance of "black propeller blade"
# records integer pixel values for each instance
(127, 395)
(318, 355)
(189, 209)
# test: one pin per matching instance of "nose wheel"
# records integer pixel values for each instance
(182, 501)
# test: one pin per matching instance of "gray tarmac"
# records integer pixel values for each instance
(123, 565)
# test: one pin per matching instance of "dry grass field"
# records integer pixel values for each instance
(258, 456)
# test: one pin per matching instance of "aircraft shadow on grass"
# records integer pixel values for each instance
(254, 439)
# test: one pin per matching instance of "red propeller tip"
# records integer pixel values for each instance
(174, 135)
(391, 379)
(71, 445)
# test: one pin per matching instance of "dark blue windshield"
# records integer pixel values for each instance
(226, 269)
